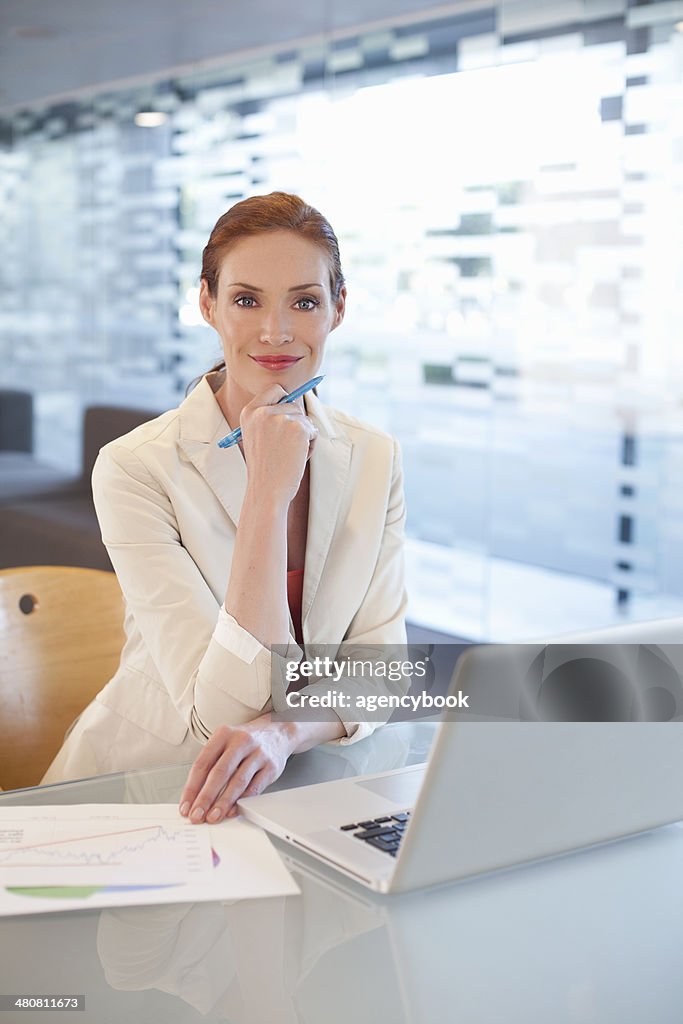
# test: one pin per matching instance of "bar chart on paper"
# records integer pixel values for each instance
(124, 845)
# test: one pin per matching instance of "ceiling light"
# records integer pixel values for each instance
(150, 118)
(679, 26)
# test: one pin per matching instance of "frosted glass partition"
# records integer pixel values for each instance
(507, 185)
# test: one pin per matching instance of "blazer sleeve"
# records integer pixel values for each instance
(214, 670)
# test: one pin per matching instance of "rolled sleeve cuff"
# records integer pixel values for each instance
(355, 731)
(237, 676)
(236, 639)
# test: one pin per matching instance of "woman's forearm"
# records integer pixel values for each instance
(304, 735)
(257, 590)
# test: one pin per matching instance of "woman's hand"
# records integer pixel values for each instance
(277, 441)
(237, 761)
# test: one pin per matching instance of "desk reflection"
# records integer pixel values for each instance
(595, 937)
(589, 937)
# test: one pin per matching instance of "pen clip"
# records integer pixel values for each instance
(230, 439)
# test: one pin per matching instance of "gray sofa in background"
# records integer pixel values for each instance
(47, 517)
(16, 421)
(22, 475)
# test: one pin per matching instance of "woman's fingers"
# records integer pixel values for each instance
(227, 774)
(236, 761)
(240, 781)
(261, 779)
(276, 440)
(212, 769)
(269, 396)
(199, 771)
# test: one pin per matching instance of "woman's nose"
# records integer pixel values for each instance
(275, 329)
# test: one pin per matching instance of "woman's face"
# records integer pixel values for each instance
(273, 310)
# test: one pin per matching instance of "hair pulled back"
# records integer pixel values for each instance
(278, 211)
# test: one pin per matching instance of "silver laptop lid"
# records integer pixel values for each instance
(501, 792)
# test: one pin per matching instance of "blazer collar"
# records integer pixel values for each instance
(330, 464)
(202, 424)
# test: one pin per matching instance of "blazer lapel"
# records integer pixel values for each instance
(202, 424)
(329, 464)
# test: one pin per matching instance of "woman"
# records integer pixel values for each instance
(294, 535)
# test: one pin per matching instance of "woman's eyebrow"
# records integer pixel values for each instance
(296, 288)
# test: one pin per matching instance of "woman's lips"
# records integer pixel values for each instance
(276, 362)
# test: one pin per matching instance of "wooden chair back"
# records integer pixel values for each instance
(61, 634)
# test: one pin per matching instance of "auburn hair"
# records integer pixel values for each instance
(277, 211)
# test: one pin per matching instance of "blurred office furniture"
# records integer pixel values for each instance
(48, 518)
(61, 634)
(16, 420)
(22, 475)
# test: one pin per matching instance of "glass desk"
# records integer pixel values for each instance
(596, 936)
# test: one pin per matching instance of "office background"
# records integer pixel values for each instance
(507, 184)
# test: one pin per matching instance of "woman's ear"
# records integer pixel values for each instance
(206, 302)
(340, 309)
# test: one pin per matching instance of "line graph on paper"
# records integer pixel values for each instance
(45, 849)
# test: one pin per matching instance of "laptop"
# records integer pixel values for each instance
(497, 791)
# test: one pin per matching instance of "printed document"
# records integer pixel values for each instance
(59, 857)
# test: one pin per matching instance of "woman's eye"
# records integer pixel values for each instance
(308, 303)
(246, 301)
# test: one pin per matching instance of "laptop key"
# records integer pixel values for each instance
(398, 817)
(380, 845)
(387, 842)
(366, 824)
(381, 821)
(347, 828)
(373, 833)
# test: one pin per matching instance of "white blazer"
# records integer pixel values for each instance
(168, 502)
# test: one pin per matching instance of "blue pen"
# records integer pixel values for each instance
(235, 436)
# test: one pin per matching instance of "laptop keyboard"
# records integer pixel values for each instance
(383, 833)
